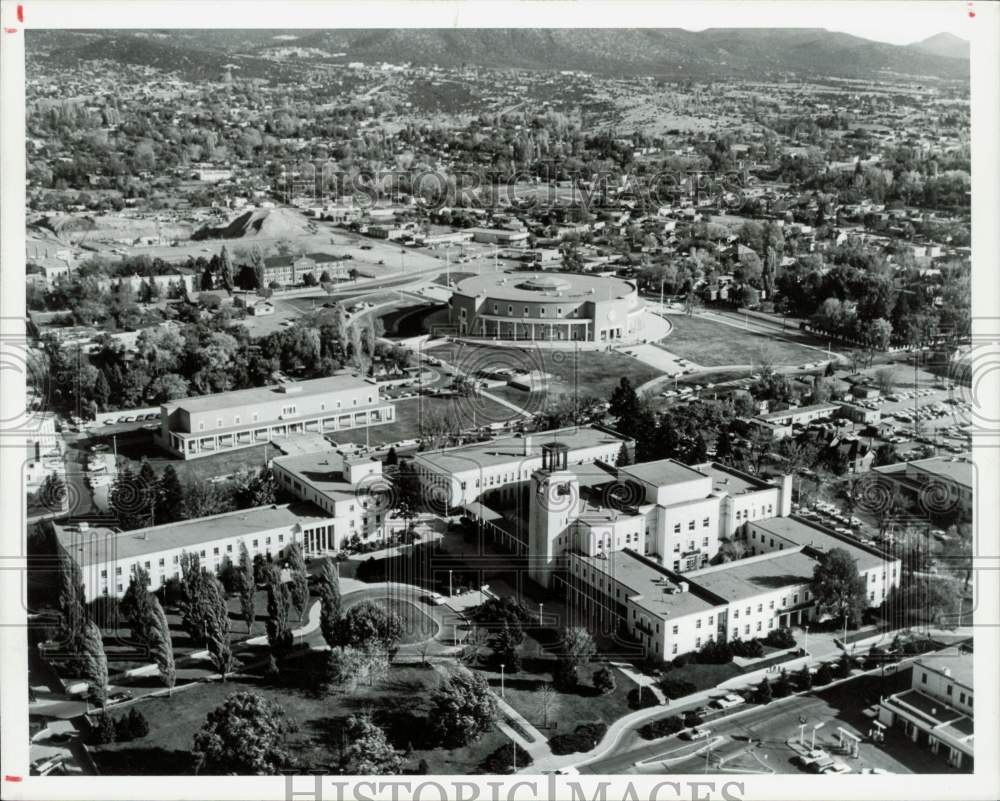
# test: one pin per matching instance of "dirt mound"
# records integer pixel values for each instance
(259, 223)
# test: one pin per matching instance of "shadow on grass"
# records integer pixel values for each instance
(131, 761)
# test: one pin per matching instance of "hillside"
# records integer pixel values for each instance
(944, 44)
(716, 52)
(258, 224)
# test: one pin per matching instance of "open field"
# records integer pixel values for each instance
(713, 344)
(398, 703)
(581, 373)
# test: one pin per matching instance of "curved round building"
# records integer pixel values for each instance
(546, 306)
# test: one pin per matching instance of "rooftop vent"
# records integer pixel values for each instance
(684, 586)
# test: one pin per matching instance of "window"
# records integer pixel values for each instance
(677, 565)
(215, 552)
(510, 310)
(104, 575)
(677, 547)
(674, 649)
(218, 422)
(177, 558)
(677, 528)
(268, 541)
(704, 523)
(961, 698)
(675, 629)
(711, 620)
(704, 542)
(690, 525)
(749, 610)
(162, 562)
(118, 571)
(229, 548)
(923, 678)
(770, 605)
(736, 613)
(236, 420)
(758, 625)
(697, 643)
(948, 690)
(697, 623)
(746, 628)
(255, 543)
(760, 607)
(202, 554)
(795, 598)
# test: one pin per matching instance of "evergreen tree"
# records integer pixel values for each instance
(370, 753)
(217, 620)
(604, 681)
(72, 606)
(135, 604)
(300, 579)
(329, 590)
(278, 633)
(763, 694)
(804, 678)
(101, 392)
(160, 644)
(247, 588)
(171, 496)
(226, 269)
(94, 663)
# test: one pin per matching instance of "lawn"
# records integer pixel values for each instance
(522, 691)
(583, 373)
(704, 677)
(711, 344)
(399, 704)
(417, 624)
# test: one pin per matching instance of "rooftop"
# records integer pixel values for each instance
(323, 470)
(662, 471)
(656, 589)
(257, 395)
(185, 533)
(956, 470)
(726, 479)
(747, 578)
(814, 408)
(505, 450)
(953, 659)
(800, 532)
(538, 286)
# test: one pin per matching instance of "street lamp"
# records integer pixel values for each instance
(817, 726)
(450, 593)
(541, 605)
(805, 646)
(501, 681)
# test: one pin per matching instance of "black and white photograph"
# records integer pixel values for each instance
(510, 392)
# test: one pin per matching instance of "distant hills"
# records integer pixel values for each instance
(944, 44)
(673, 53)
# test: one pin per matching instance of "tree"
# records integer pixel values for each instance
(72, 605)
(369, 626)
(349, 666)
(160, 643)
(171, 503)
(783, 686)
(604, 681)
(300, 579)
(624, 401)
(565, 675)
(729, 551)
(763, 694)
(462, 709)
(226, 269)
(804, 678)
(578, 646)
(243, 736)
(105, 730)
(135, 604)
(548, 699)
(94, 663)
(247, 587)
(217, 625)
(505, 644)
(193, 597)
(279, 635)
(370, 752)
(886, 379)
(838, 587)
(823, 675)
(329, 594)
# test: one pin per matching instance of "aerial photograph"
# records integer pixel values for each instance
(441, 402)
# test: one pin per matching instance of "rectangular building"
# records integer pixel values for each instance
(200, 426)
(937, 712)
(106, 556)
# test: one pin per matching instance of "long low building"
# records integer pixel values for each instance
(106, 556)
(200, 426)
(940, 484)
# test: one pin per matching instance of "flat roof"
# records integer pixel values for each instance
(801, 532)
(573, 286)
(256, 395)
(956, 660)
(726, 479)
(937, 710)
(511, 449)
(322, 470)
(186, 533)
(957, 470)
(662, 471)
(747, 578)
(648, 582)
(816, 407)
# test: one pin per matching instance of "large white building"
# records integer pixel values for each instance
(200, 426)
(937, 712)
(632, 552)
(452, 477)
(351, 489)
(106, 555)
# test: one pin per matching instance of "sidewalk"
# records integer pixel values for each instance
(539, 749)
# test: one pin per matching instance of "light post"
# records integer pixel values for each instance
(805, 646)
(501, 681)
(541, 605)
(449, 585)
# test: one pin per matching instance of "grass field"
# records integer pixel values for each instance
(580, 372)
(417, 624)
(399, 704)
(711, 344)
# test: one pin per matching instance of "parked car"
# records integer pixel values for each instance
(120, 696)
(435, 598)
(728, 701)
(696, 734)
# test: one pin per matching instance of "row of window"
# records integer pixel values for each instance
(704, 544)
(691, 525)
(286, 411)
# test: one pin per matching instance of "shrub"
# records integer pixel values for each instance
(715, 653)
(565, 677)
(585, 737)
(680, 661)
(763, 694)
(824, 675)
(422, 767)
(677, 688)
(780, 638)
(604, 681)
(662, 727)
(641, 698)
(783, 686)
(502, 760)
(748, 649)
(104, 729)
(692, 719)
(804, 678)
(843, 666)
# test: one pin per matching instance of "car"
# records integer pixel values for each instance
(877, 772)
(697, 734)
(836, 767)
(60, 737)
(435, 598)
(120, 696)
